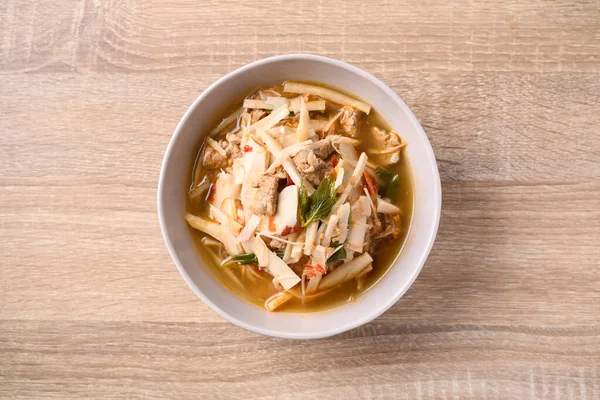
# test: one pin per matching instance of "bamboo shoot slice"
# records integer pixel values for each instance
(311, 237)
(302, 130)
(385, 207)
(346, 272)
(277, 300)
(327, 94)
(271, 120)
(275, 148)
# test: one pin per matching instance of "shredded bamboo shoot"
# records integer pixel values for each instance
(313, 284)
(346, 272)
(215, 146)
(332, 120)
(275, 102)
(385, 207)
(388, 150)
(223, 124)
(318, 105)
(215, 230)
(287, 254)
(275, 148)
(249, 229)
(311, 238)
(344, 215)
(277, 300)
(331, 225)
(271, 120)
(327, 94)
(262, 104)
(302, 131)
(297, 250)
(354, 179)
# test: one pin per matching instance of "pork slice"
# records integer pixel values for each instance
(212, 159)
(386, 140)
(279, 173)
(322, 149)
(235, 138)
(311, 167)
(277, 245)
(350, 120)
(256, 115)
(233, 151)
(265, 198)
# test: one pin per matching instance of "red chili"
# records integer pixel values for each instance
(247, 149)
(320, 268)
(309, 271)
(334, 161)
(313, 270)
(289, 182)
(371, 184)
(290, 229)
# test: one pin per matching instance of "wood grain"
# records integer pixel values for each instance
(507, 305)
(143, 359)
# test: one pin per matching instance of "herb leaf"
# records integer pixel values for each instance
(338, 255)
(303, 203)
(384, 175)
(392, 189)
(390, 183)
(320, 202)
(241, 259)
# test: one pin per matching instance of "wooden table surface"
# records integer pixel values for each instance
(508, 303)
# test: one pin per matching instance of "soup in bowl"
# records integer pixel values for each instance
(299, 197)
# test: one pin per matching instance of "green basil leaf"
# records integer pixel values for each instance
(384, 175)
(302, 202)
(393, 188)
(338, 255)
(321, 201)
(390, 183)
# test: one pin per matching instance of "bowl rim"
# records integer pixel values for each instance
(437, 190)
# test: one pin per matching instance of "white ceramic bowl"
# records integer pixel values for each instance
(174, 180)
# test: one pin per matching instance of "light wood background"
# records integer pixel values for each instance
(508, 304)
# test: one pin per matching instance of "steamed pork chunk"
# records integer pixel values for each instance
(293, 197)
(214, 159)
(265, 199)
(279, 173)
(389, 146)
(311, 162)
(349, 121)
(311, 167)
(256, 115)
(322, 149)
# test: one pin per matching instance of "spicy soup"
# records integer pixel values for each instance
(300, 199)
